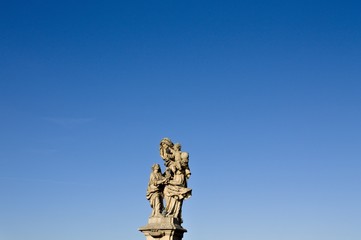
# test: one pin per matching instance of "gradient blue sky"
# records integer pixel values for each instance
(265, 95)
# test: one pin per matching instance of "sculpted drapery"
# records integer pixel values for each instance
(155, 190)
(170, 185)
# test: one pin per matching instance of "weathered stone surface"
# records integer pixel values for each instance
(163, 228)
(171, 188)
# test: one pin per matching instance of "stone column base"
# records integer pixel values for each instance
(163, 228)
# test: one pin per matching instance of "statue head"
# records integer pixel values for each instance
(156, 167)
(185, 156)
(177, 146)
(166, 142)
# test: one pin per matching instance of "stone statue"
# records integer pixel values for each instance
(170, 187)
(155, 190)
(165, 149)
(175, 192)
(173, 157)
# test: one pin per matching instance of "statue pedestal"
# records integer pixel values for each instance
(163, 228)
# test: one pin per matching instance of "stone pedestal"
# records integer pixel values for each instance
(163, 228)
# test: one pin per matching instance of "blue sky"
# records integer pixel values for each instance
(264, 95)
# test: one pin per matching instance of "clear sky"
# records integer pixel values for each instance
(264, 95)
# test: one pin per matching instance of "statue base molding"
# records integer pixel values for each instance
(163, 228)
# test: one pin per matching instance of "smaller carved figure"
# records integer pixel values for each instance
(165, 150)
(176, 152)
(168, 153)
(155, 190)
(184, 163)
(175, 159)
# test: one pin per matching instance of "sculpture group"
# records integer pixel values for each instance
(166, 191)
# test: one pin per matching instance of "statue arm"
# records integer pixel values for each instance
(156, 180)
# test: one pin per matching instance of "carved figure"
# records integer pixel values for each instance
(176, 152)
(172, 184)
(167, 153)
(165, 150)
(184, 164)
(155, 190)
(175, 192)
